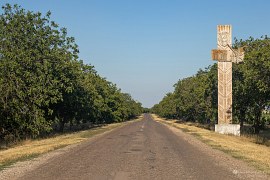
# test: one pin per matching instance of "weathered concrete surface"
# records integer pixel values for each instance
(224, 92)
(224, 42)
(233, 129)
(226, 55)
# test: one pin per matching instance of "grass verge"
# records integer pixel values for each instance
(239, 147)
(32, 148)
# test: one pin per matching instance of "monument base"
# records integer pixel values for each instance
(233, 129)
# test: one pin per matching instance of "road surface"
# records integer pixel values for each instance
(144, 149)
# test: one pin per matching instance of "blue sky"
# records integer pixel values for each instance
(146, 46)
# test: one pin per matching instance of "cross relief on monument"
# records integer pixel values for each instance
(225, 55)
(224, 51)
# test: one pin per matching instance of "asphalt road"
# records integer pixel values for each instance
(141, 150)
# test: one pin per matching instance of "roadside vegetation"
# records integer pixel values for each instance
(194, 98)
(45, 87)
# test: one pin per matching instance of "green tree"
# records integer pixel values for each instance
(35, 56)
(43, 84)
(254, 87)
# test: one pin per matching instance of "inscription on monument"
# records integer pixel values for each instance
(220, 55)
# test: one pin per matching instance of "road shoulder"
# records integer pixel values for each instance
(21, 167)
(238, 167)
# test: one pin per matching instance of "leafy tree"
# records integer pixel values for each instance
(193, 98)
(34, 54)
(43, 84)
(255, 82)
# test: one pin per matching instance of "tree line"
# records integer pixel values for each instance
(43, 83)
(195, 98)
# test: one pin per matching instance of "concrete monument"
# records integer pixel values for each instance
(226, 55)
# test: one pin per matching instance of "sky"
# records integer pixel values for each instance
(146, 46)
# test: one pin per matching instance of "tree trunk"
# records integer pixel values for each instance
(61, 125)
(70, 124)
(257, 122)
(242, 117)
(256, 127)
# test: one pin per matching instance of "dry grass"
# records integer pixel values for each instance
(239, 147)
(32, 148)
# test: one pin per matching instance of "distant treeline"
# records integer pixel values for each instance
(195, 98)
(43, 84)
